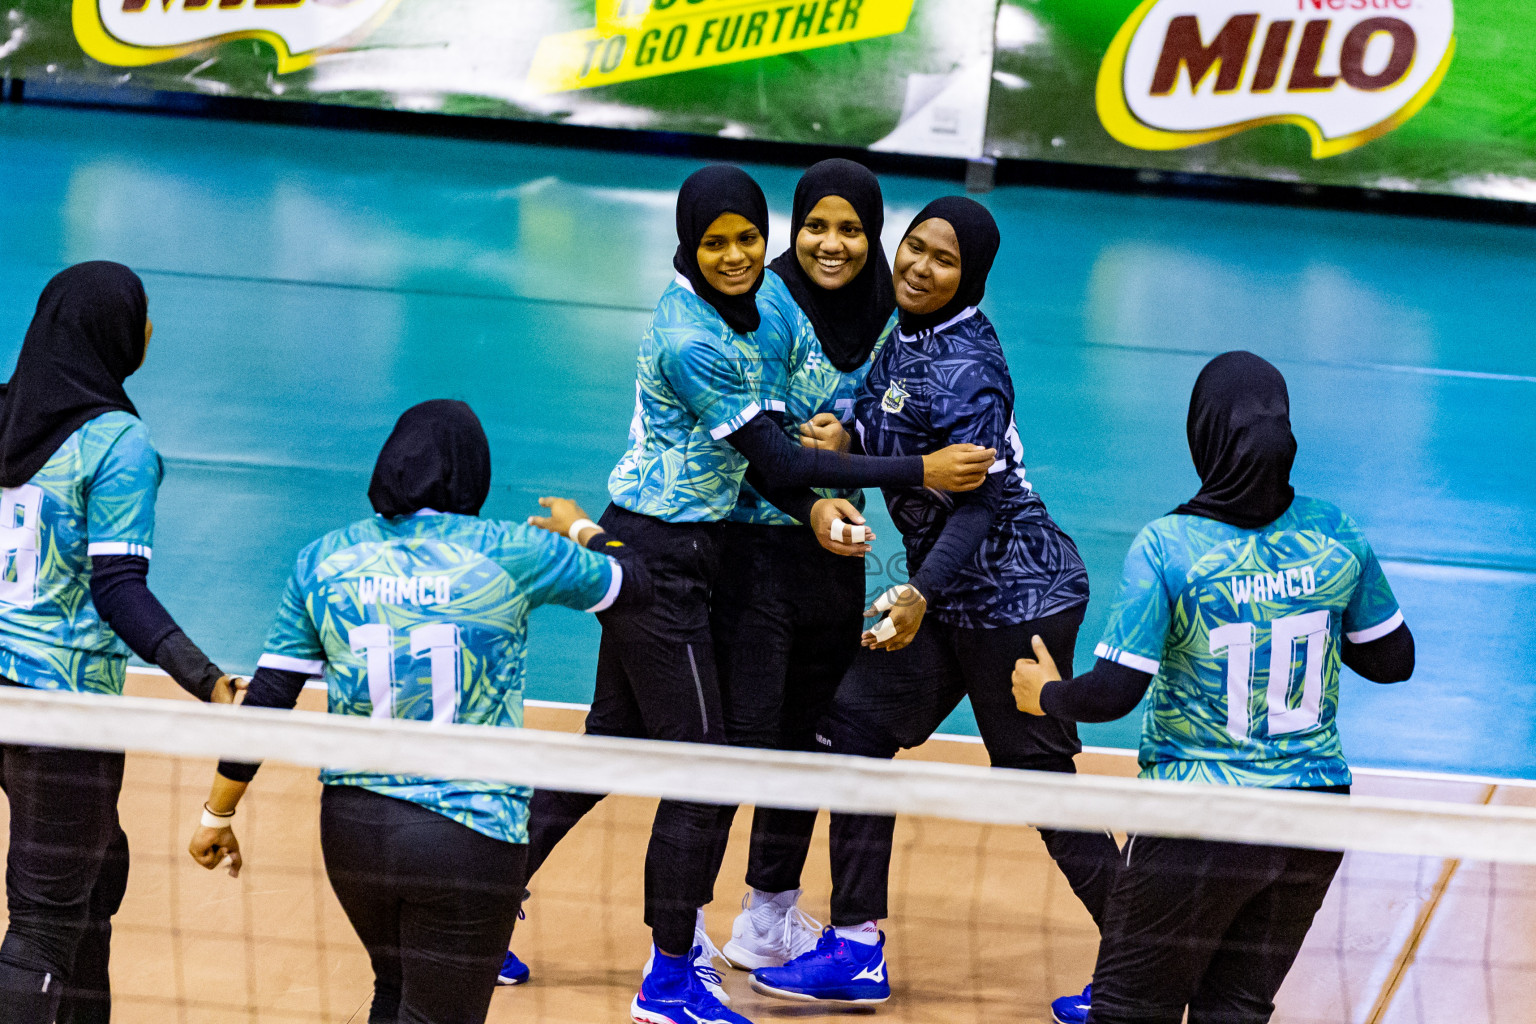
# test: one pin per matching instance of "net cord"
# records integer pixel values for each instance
(716, 774)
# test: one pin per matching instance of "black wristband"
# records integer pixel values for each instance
(188, 665)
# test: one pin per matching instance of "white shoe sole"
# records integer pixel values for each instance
(639, 1016)
(801, 997)
(743, 959)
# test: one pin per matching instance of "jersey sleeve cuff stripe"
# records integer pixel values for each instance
(773, 406)
(736, 422)
(284, 663)
(117, 548)
(615, 584)
(1126, 658)
(1365, 636)
(997, 467)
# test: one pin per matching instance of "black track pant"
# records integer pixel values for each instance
(433, 901)
(656, 679)
(1210, 926)
(892, 700)
(787, 615)
(66, 872)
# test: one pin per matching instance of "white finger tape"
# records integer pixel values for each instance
(841, 531)
(884, 630)
(886, 601)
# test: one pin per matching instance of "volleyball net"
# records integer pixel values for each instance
(1427, 920)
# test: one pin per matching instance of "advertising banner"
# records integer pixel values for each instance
(1409, 95)
(1412, 95)
(902, 75)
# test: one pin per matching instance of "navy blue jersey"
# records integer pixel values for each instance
(951, 386)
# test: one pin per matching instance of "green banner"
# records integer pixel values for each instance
(900, 75)
(1408, 95)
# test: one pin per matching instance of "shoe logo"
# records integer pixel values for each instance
(875, 973)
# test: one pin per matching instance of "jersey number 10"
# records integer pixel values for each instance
(1237, 639)
(436, 641)
(21, 511)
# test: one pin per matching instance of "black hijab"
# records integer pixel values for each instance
(977, 234)
(708, 193)
(848, 320)
(85, 339)
(1240, 436)
(437, 457)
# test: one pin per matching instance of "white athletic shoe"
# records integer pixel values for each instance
(703, 964)
(771, 935)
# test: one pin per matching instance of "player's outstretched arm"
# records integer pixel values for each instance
(567, 519)
(1106, 692)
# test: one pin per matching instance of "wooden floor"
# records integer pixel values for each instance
(983, 927)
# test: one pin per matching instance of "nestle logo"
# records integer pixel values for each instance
(1184, 72)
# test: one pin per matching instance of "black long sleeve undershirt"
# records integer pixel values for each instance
(1387, 659)
(120, 591)
(1110, 690)
(782, 463)
(962, 536)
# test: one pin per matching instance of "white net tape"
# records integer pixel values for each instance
(733, 775)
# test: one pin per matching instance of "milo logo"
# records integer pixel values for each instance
(1184, 72)
(132, 33)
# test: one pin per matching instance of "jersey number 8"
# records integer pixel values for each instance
(436, 641)
(21, 510)
(1237, 640)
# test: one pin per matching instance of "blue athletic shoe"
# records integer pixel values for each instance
(1072, 1009)
(835, 971)
(513, 971)
(672, 993)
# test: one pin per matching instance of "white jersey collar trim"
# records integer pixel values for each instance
(964, 314)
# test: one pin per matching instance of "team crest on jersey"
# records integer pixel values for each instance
(895, 397)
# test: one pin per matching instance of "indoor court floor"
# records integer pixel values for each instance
(307, 285)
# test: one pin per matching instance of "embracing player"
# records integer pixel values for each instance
(1236, 610)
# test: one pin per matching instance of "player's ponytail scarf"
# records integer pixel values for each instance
(848, 320)
(977, 234)
(1240, 436)
(85, 339)
(708, 193)
(436, 458)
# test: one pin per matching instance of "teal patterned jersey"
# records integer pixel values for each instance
(814, 386)
(426, 618)
(1241, 631)
(696, 381)
(95, 496)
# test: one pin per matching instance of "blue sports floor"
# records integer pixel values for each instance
(307, 285)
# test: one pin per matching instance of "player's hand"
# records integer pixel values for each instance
(227, 689)
(825, 431)
(563, 514)
(960, 467)
(828, 509)
(210, 846)
(906, 614)
(1030, 677)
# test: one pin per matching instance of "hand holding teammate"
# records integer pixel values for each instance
(828, 510)
(227, 689)
(563, 514)
(1030, 677)
(960, 467)
(825, 431)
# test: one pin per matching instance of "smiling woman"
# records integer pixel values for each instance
(731, 254)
